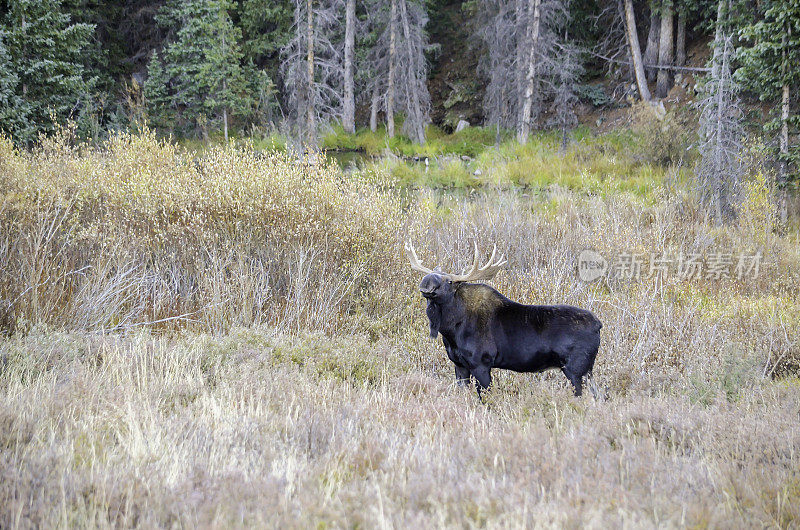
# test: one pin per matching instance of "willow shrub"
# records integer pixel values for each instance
(138, 231)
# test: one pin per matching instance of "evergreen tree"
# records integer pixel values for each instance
(769, 68)
(199, 79)
(44, 65)
(13, 109)
(266, 28)
(161, 105)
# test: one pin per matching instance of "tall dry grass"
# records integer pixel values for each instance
(234, 338)
(258, 429)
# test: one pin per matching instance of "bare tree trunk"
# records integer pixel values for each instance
(664, 77)
(523, 121)
(636, 52)
(310, 126)
(373, 111)
(719, 188)
(785, 101)
(721, 15)
(680, 45)
(392, 60)
(419, 131)
(782, 197)
(784, 141)
(631, 73)
(680, 40)
(651, 49)
(785, 121)
(224, 108)
(348, 105)
(522, 40)
(24, 52)
(225, 116)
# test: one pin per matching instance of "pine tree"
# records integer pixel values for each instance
(13, 109)
(198, 79)
(44, 67)
(266, 29)
(161, 106)
(769, 68)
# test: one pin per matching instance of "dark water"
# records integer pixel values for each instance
(350, 159)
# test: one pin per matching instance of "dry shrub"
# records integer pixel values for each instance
(665, 136)
(138, 231)
(302, 380)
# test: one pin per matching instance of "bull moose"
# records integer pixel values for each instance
(481, 329)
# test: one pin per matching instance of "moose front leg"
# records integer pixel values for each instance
(483, 378)
(462, 375)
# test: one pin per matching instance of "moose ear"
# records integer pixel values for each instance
(434, 313)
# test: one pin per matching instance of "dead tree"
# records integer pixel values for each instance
(636, 51)
(664, 76)
(720, 167)
(312, 68)
(680, 38)
(651, 48)
(413, 76)
(520, 39)
(496, 29)
(349, 101)
(567, 72)
(392, 68)
(609, 24)
(398, 66)
(532, 32)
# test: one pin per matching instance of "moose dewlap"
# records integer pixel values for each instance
(481, 329)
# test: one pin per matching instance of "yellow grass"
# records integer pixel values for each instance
(234, 339)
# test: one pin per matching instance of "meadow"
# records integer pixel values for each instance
(233, 337)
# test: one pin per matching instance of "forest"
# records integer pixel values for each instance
(202, 68)
(209, 316)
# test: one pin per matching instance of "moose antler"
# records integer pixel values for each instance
(487, 272)
(412, 257)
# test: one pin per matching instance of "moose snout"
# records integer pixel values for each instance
(427, 293)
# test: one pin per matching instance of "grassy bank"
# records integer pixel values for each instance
(232, 337)
(476, 157)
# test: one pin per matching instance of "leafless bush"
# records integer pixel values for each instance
(300, 381)
(666, 137)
